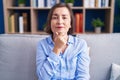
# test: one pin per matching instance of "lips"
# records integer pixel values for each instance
(59, 27)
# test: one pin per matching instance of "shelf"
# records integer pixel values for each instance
(76, 8)
(18, 8)
(98, 8)
(36, 13)
(41, 8)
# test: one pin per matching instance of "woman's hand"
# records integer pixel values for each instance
(60, 41)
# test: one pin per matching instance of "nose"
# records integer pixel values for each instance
(60, 20)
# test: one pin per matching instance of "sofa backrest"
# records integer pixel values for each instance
(104, 50)
(18, 55)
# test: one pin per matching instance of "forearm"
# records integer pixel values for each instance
(83, 62)
(45, 72)
(82, 72)
(46, 67)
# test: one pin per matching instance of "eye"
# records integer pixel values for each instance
(64, 17)
(54, 17)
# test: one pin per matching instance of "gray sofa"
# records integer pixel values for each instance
(18, 53)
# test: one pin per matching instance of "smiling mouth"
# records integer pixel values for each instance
(59, 27)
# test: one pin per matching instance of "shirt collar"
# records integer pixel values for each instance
(70, 39)
(49, 40)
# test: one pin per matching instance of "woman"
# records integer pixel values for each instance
(62, 56)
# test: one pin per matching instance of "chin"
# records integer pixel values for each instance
(59, 31)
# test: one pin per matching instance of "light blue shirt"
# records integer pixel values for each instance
(73, 64)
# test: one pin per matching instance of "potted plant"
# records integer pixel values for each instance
(21, 3)
(97, 24)
(69, 2)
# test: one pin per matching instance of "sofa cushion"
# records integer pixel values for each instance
(104, 50)
(115, 72)
(18, 51)
(18, 56)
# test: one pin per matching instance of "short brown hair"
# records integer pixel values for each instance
(48, 23)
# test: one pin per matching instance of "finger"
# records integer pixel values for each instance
(56, 33)
(64, 41)
(61, 34)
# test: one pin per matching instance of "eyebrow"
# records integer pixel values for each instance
(57, 14)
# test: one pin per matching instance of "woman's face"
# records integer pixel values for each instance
(61, 21)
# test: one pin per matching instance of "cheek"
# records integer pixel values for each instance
(52, 25)
(68, 24)
(52, 28)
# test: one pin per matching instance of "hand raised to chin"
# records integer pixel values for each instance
(60, 41)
